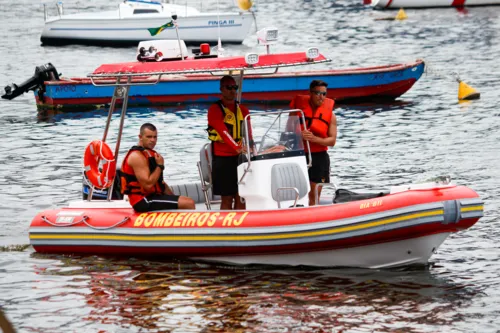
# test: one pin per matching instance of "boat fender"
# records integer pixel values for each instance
(451, 211)
(95, 152)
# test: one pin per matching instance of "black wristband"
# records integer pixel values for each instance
(161, 166)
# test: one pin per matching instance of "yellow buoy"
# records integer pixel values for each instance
(401, 15)
(466, 92)
(245, 4)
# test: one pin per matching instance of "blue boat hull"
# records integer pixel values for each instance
(350, 85)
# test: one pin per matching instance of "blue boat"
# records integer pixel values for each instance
(355, 85)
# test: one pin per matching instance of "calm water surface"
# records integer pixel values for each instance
(426, 133)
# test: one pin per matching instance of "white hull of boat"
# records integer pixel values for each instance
(113, 30)
(431, 3)
(415, 251)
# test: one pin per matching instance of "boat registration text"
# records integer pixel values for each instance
(221, 22)
(374, 203)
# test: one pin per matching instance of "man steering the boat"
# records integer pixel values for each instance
(142, 177)
(320, 131)
(225, 122)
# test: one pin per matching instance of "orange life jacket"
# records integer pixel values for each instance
(318, 121)
(129, 182)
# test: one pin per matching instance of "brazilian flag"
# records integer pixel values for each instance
(156, 31)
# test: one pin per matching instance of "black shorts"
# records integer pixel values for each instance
(225, 175)
(155, 202)
(319, 172)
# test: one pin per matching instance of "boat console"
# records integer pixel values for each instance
(273, 173)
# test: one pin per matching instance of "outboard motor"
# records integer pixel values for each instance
(43, 73)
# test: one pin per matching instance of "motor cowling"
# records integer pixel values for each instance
(43, 73)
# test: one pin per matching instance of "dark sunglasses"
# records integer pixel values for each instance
(319, 93)
(234, 87)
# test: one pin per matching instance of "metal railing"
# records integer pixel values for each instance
(321, 185)
(198, 71)
(287, 189)
(59, 7)
(121, 92)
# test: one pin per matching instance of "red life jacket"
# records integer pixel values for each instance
(318, 121)
(129, 182)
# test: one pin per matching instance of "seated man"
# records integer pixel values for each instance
(142, 177)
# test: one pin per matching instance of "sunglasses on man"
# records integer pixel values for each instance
(233, 87)
(319, 93)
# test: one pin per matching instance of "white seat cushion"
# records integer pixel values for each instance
(287, 175)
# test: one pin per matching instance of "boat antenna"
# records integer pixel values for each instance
(254, 19)
(174, 18)
(219, 42)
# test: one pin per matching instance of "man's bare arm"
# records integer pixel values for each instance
(141, 170)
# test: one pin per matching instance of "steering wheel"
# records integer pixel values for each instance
(288, 140)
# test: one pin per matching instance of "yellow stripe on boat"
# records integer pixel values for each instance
(239, 238)
(472, 208)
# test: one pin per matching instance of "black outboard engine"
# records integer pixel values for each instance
(43, 73)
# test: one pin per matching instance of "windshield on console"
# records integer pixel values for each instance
(274, 132)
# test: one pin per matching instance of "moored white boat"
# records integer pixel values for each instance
(431, 3)
(129, 24)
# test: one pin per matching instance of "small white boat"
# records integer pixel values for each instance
(431, 3)
(129, 24)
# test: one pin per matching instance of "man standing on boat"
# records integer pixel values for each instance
(320, 131)
(225, 121)
(142, 177)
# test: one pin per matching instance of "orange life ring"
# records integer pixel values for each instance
(95, 152)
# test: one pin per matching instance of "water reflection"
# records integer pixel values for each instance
(352, 111)
(188, 296)
(180, 111)
(54, 116)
